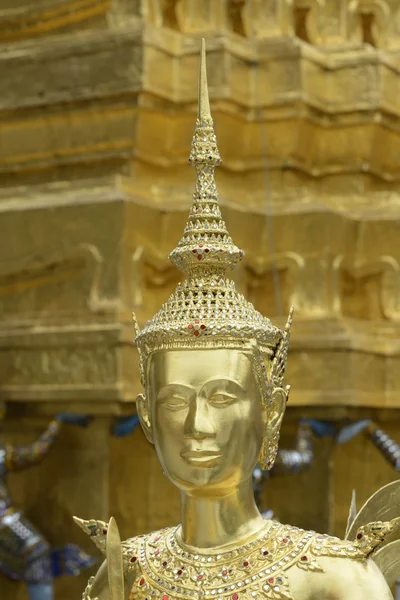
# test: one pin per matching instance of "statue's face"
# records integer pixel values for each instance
(206, 417)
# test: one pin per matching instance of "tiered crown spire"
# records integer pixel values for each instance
(205, 310)
(206, 246)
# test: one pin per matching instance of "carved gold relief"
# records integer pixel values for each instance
(75, 279)
(40, 18)
(371, 289)
(59, 366)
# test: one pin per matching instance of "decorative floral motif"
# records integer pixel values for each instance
(97, 530)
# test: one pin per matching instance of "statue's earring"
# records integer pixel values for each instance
(270, 443)
(269, 451)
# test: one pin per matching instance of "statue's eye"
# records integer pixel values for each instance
(175, 402)
(221, 399)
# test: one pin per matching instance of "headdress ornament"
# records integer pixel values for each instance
(206, 310)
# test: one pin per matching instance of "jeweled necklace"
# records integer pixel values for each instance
(172, 570)
(238, 548)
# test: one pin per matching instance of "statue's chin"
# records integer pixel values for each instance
(211, 479)
(194, 478)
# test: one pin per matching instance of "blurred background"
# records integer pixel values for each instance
(98, 102)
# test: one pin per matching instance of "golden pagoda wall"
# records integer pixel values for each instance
(97, 108)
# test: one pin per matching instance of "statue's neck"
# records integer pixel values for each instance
(212, 522)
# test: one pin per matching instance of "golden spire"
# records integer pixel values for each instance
(206, 309)
(206, 247)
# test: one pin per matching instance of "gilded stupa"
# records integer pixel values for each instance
(97, 110)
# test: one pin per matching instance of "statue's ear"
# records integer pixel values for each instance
(142, 406)
(277, 408)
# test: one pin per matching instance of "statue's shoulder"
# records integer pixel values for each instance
(310, 545)
(314, 563)
(327, 545)
(287, 547)
(367, 539)
(133, 554)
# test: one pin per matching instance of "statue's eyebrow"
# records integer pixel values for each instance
(226, 384)
(177, 388)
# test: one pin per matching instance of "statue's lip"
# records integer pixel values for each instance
(203, 457)
(198, 453)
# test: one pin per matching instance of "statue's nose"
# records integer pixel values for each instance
(198, 423)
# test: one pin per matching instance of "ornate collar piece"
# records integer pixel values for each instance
(162, 570)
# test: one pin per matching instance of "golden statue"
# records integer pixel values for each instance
(212, 370)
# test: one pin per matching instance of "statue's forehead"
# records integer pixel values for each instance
(199, 365)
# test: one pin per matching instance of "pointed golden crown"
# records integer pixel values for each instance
(206, 310)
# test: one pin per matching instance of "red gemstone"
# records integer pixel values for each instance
(197, 321)
(199, 577)
(164, 563)
(104, 531)
(202, 326)
(157, 538)
(201, 245)
(271, 580)
(165, 597)
(224, 572)
(133, 559)
(206, 250)
(285, 540)
(190, 326)
(196, 332)
(265, 553)
(234, 597)
(245, 564)
(179, 572)
(157, 552)
(194, 251)
(141, 582)
(199, 257)
(359, 536)
(304, 558)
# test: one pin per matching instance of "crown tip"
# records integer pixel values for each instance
(204, 103)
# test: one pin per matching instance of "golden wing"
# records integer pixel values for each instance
(384, 505)
(352, 513)
(388, 560)
(374, 527)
